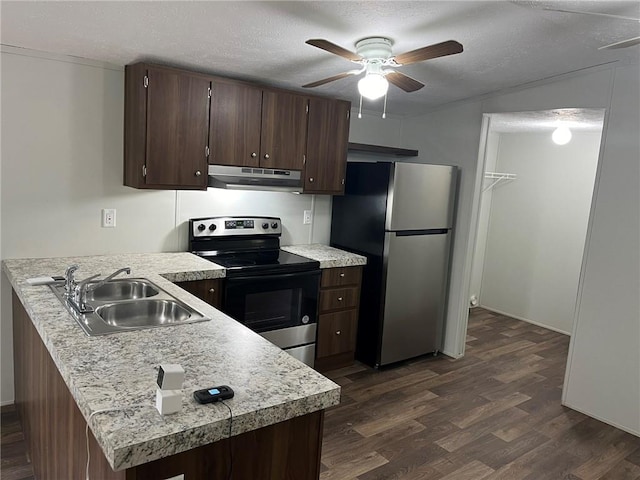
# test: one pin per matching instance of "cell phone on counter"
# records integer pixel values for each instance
(213, 394)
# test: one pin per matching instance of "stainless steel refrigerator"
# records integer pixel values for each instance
(400, 216)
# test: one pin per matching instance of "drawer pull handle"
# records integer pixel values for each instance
(266, 156)
(338, 332)
(342, 275)
(339, 299)
(212, 290)
(254, 155)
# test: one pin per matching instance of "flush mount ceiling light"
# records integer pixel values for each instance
(561, 135)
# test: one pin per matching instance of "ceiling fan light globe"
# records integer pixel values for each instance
(561, 135)
(373, 86)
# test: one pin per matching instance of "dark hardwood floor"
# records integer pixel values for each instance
(493, 415)
(14, 463)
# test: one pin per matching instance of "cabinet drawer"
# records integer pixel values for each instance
(208, 290)
(337, 277)
(336, 333)
(339, 298)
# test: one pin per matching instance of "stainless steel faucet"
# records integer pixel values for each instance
(77, 292)
(70, 283)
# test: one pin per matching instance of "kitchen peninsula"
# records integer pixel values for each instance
(63, 376)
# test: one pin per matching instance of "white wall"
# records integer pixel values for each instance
(375, 130)
(603, 376)
(537, 227)
(62, 143)
(603, 373)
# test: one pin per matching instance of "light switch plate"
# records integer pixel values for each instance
(307, 217)
(108, 217)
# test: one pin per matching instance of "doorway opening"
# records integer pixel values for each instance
(533, 213)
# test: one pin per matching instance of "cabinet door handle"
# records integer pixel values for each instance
(342, 275)
(198, 173)
(254, 154)
(339, 299)
(266, 156)
(311, 179)
(212, 290)
(338, 332)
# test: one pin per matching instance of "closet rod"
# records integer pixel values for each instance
(498, 177)
(506, 176)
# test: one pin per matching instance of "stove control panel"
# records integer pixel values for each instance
(234, 226)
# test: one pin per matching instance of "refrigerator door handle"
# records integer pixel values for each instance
(430, 231)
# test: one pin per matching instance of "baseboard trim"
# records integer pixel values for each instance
(603, 420)
(532, 322)
(452, 355)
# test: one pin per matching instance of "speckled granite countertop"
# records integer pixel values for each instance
(328, 257)
(120, 369)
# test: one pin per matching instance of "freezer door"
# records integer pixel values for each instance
(420, 197)
(416, 278)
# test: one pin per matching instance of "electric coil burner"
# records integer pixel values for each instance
(273, 292)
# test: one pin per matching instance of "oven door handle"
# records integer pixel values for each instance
(280, 276)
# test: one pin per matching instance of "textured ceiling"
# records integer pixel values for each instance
(506, 44)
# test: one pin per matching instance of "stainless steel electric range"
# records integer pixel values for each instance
(273, 292)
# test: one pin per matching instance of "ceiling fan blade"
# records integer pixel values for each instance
(333, 48)
(449, 47)
(621, 17)
(330, 79)
(403, 81)
(622, 44)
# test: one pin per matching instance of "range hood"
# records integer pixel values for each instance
(252, 178)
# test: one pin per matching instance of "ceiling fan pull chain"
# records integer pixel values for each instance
(360, 111)
(384, 109)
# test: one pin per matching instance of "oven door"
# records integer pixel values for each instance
(275, 301)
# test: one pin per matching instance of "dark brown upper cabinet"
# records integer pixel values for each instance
(177, 122)
(166, 128)
(236, 118)
(327, 141)
(256, 127)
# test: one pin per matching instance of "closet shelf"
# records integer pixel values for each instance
(497, 177)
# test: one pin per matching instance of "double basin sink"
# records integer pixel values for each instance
(128, 304)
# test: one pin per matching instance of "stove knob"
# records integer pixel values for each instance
(274, 225)
(265, 225)
(201, 227)
(212, 227)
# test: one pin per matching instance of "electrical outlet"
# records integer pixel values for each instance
(108, 217)
(307, 217)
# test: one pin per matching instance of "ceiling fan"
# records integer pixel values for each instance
(629, 42)
(378, 63)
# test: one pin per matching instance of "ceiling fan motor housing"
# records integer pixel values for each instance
(374, 48)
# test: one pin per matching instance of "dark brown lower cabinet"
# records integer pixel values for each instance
(338, 317)
(209, 290)
(54, 431)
